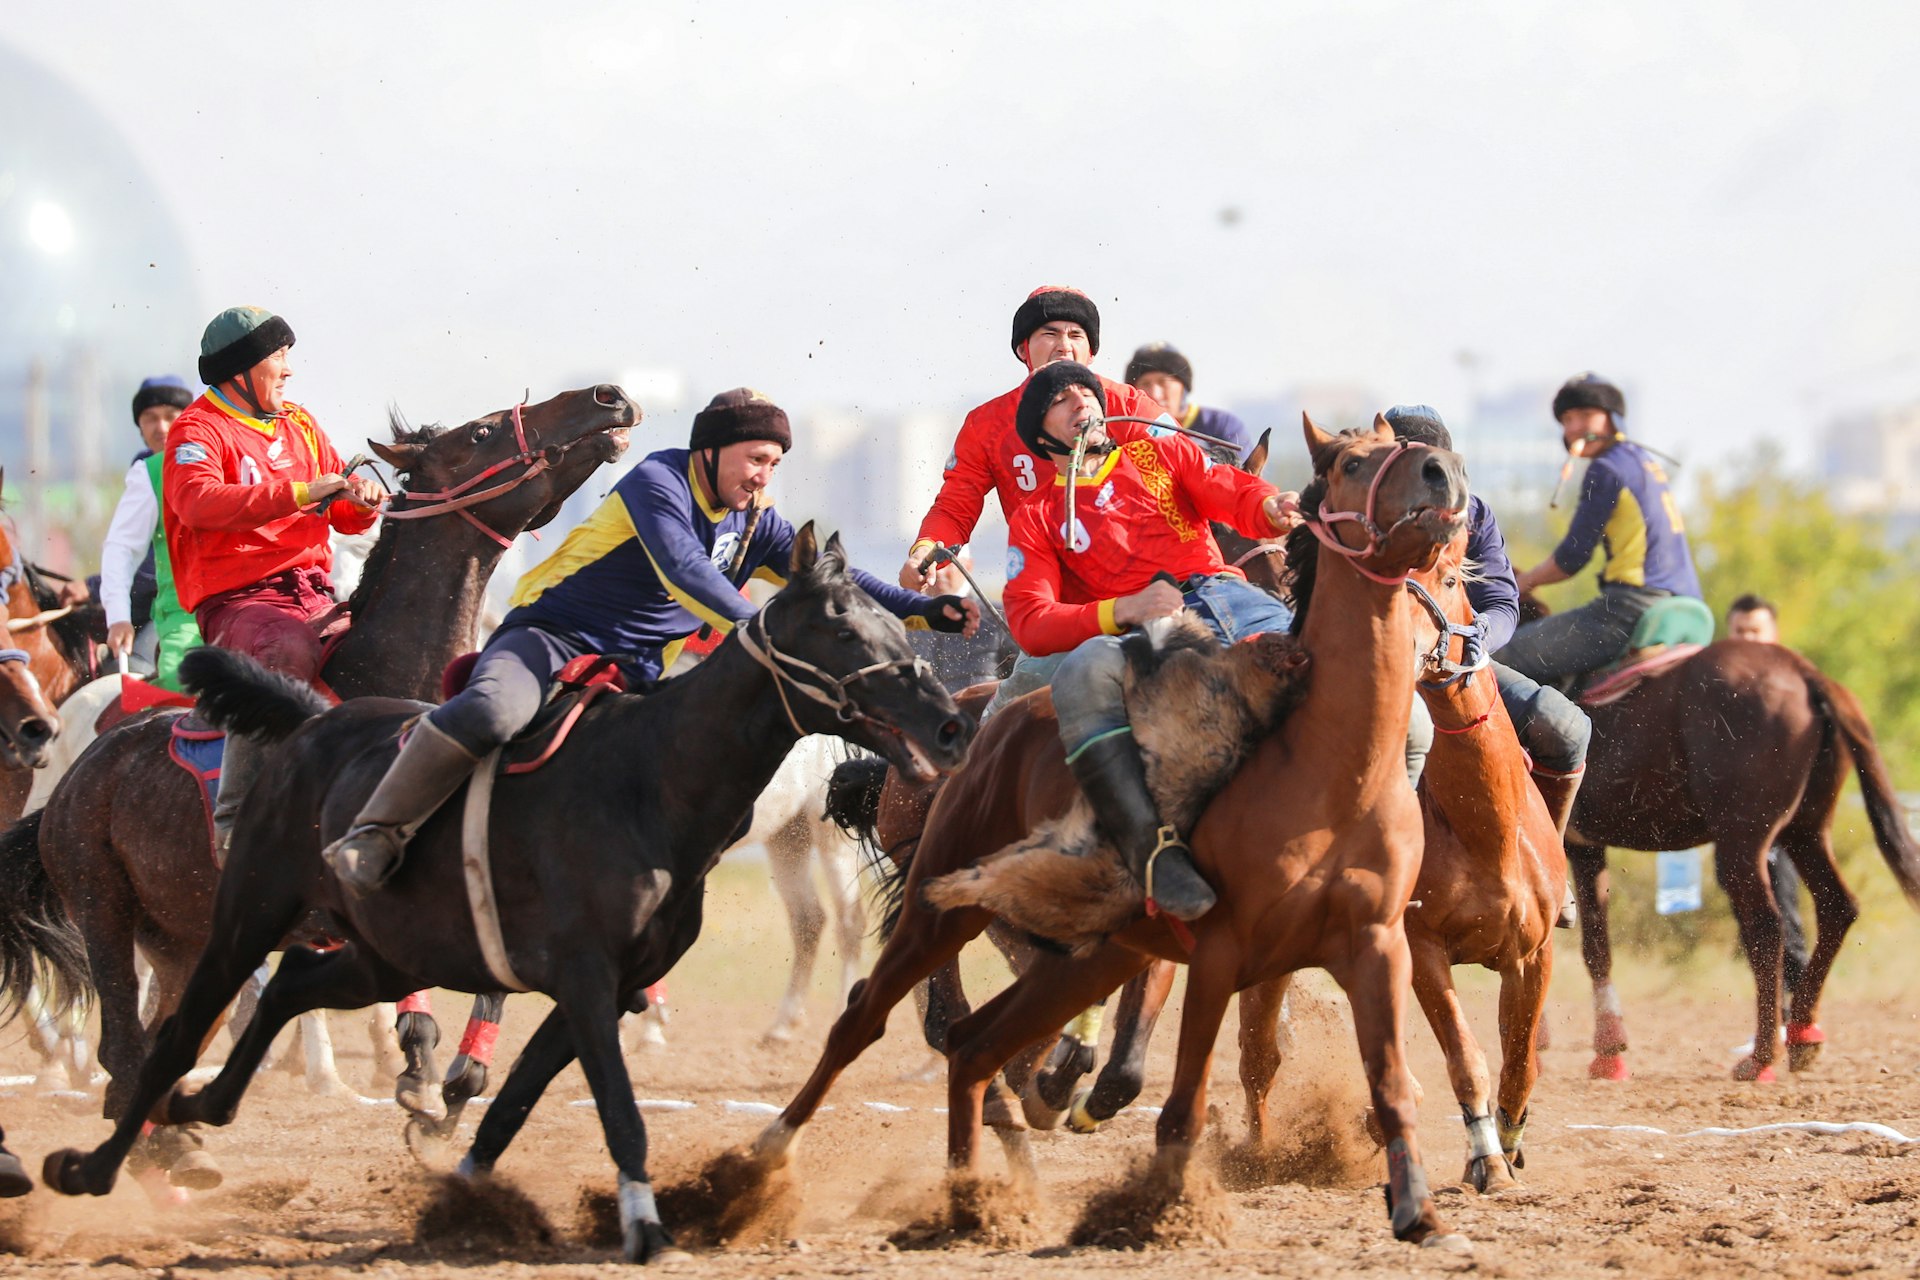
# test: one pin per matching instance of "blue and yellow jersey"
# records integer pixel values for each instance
(650, 566)
(1626, 504)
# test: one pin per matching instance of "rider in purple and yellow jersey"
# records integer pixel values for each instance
(1163, 373)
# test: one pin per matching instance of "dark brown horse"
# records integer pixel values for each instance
(1314, 843)
(53, 637)
(599, 859)
(1744, 746)
(124, 839)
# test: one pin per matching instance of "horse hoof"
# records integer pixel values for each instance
(426, 1140)
(1752, 1072)
(161, 1193)
(1803, 1045)
(649, 1244)
(1609, 1066)
(1489, 1175)
(14, 1180)
(1080, 1118)
(1449, 1241)
(419, 1098)
(1039, 1113)
(61, 1172)
(195, 1171)
(1609, 1033)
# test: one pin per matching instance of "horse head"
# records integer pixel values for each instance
(511, 470)
(1264, 561)
(1388, 505)
(843, 666)
(28, 722)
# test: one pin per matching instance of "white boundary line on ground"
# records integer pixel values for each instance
(1787, 1126)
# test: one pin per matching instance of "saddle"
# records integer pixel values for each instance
(575, 688)
(200, 749)
(1668, 633)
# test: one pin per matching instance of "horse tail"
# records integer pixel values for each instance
(1884, 813)
(43, 958)
(853, 803)
(239, 695)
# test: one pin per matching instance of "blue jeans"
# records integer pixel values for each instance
(1552, 729)
(1087, 686)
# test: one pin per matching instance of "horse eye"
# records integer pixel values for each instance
(481, 433)
(1352, 465)
(846, 633)
(1453, 582)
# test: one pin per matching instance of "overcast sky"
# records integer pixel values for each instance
(841, 204)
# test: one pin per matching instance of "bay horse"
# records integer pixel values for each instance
(124, 839)
(599, 860)
(1314, 843)
(1745, 746)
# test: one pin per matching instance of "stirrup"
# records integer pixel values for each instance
(1166, 837)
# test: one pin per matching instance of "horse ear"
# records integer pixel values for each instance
(1316, 438)
(1257, 459)
(806, 552)
(834, 558)
(3, 479)
(401, 457)
(1382, 429)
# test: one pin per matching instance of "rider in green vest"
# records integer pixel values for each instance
(137, 539)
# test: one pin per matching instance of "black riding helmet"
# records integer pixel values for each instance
(1047, 382)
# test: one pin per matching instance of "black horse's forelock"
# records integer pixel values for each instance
(404, 432)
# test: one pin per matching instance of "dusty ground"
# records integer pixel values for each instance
(323, 1187)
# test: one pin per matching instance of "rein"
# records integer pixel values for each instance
(830, 690)
(457, 499)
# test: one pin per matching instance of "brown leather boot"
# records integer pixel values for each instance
(429, 769)
(1558, 790)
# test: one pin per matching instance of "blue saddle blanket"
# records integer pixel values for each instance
(199, 750)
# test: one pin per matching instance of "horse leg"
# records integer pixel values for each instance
(388, 1061)
(467, 1073)
(1588, 865)
(1046, 1096)
(1523, 1000)
(1487, 1169)
(1260, 1051)
(105, 920)
(1022, 1015)
(1376, 978)
(1834, 910)
(316, 1042)
(587, 998)
(840, 864)
(232, 954)
(419, 1036)
(1125, 1074)
(1210, 986)
(790, 860)
(925, 940)
(1740, 865)
(546, 1055)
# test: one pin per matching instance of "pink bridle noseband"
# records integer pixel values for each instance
(1376, 536)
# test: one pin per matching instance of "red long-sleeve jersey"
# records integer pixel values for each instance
(989, 457)
(234, 491)
(1145, 511)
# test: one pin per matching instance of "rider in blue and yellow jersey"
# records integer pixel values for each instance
(1163, 373)
(666, 553)
(1625, 506)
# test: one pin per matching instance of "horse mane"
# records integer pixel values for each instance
(381, 556)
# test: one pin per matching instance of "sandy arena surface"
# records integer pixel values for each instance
(320, 1186)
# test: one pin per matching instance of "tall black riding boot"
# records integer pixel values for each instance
(1111, 773)
(429, 769)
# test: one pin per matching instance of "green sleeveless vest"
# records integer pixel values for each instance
(173, 626)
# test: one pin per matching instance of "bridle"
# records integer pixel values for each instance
(812, 682)
(457, 499)
(1450, 672)
(1376, 536)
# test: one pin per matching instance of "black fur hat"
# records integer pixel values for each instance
(1047, 382)
(1160, 357)
(1589, 391)
(1052, 302)
(238, 339)
(740, 414)
(165, 389)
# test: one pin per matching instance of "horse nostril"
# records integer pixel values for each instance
(950, 733)
(35, 732)
(608, 396)
(1435, 473)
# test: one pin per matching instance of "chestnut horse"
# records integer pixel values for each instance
(1314, 843)
(124, 838)
(1744, 746)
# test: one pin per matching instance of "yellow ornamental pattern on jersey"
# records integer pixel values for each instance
(1158, 482)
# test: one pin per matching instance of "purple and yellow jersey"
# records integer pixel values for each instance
(1627, 506)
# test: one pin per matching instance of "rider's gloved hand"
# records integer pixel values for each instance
(953, 614)
(1473, 647)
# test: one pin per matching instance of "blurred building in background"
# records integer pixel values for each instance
(1513, 449)
(96, 293)
(1870, 461)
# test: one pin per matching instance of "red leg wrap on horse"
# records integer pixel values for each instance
(418, 1002)
(479, 1040)
(657, 993)
(1805, 1033)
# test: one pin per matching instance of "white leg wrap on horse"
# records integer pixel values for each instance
(1086, 1027)
(1483, 1140)
(775, 1143)
(636, 1203)
(1606, 999)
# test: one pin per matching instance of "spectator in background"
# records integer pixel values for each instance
(144, 617)
(1163, 373)
(1755, 619)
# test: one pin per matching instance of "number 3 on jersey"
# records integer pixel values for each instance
(1023, 465)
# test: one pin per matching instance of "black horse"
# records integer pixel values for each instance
(599, 860)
